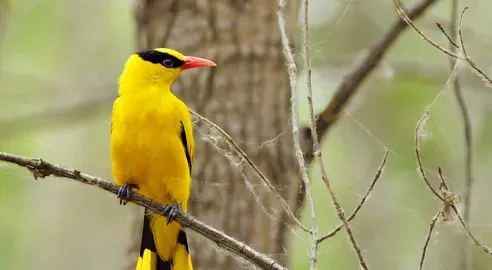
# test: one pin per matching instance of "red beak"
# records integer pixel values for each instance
(196, 62)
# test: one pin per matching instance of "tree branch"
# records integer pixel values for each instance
(463, 56)
(41, 169)
(292, 71)
(418, 132)
(253, 166)
(318, 155)
(445, 196)
(432, 225)
(307, 62)
(362, 201)
(352, 80)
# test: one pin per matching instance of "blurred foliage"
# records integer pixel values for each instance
(56, 53)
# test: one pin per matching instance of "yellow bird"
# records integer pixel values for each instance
(152, 150)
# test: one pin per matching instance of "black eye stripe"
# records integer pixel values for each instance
(157, 57)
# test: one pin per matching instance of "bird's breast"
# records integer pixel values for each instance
(146, 147)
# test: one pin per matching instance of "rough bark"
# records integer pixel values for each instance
(248, 96)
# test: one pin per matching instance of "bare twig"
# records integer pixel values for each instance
(351, 82)
(41, 168)
(447, 197)
(432, 224)
(449, 203)
(472, 238)
(479, 37)
(474, 67)
(441, 178)
(467, 260)
(419, 158)
(362, 201)
(407, 19)
(419, 131)
(319, 156)
(292, 71)
(463, 50)
(317, 150)
(460, 34)
(452, 26)
(253, 166)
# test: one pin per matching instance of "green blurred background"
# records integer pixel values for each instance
(57, 55)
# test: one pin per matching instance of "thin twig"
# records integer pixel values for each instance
(467, 261)
(463, 50)
(292, 71)
(441, 178)
(472, 238)
(307, 62)
(319, 156)
(419, 158)
(404, 16)
(460, 35)
(432, 224)
(253, 166)
(350, 84)
(448, 201)
(41, 168)
(362, 201)
(452, 26)
(447, 195)
(451, 53)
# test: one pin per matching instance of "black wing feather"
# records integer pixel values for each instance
(185, 144)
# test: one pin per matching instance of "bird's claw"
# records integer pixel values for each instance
(124, 193)
(171, 212)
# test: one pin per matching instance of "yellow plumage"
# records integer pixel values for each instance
(152, 149)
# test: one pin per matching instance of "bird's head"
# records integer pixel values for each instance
(159, 66)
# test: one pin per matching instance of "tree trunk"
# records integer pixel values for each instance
(249, 97)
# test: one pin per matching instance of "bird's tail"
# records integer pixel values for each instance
(170, 239)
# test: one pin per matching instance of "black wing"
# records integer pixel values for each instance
(184, 140)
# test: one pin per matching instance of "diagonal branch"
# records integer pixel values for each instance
(362, 201)
(418, 130)
(445, 196)
(318, 155)
(432, 225)
(41, 168)
(353, 80)
(253, 166)
(463, 56)
(472, 238)
(402, 14)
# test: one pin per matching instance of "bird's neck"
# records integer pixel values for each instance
(141, 84)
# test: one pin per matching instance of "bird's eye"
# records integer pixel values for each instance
(168, 62)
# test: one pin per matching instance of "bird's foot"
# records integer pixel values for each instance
(124, 193)
(171, 212)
